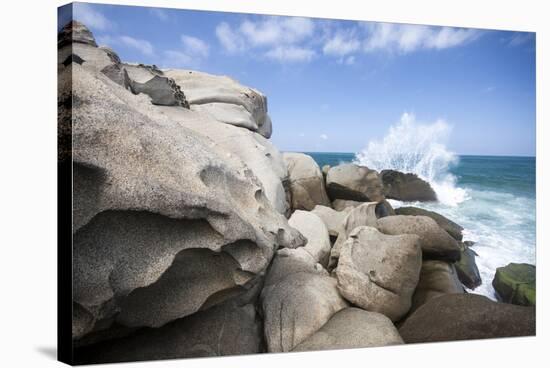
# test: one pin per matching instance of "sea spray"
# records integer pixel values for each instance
(416, 148)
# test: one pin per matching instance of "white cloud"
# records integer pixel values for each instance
(341, 45)
(520, 38)
(159, 13)
(195, 46)
(290, 54)
(91, 18)
(407, 38)
(277, 30)
(323, 137)
(230, 40)
(142, 46)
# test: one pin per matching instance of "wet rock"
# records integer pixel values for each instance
(516, 283)
(406, 187)
(466, 267)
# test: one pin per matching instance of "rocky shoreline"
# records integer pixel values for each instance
(194, 236)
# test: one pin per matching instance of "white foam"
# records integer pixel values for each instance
(420, 149)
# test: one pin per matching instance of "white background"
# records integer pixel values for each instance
(28, 120)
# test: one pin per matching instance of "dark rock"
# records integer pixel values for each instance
(354, 182)
(516, 283)
(406, 187)
(226, 329)
(75, 31)
(467, 317)
(454, 229)
(436, 243)
(436, 278)
(73, 59)
(163, 91)
(466, 267)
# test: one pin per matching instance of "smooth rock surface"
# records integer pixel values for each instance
(466, 267)
(334, 220)
(436, 243)
(467, 317)
(307, 184)
(406, 187)
(436, 278)
(298, 298)
(352, 328)
(516, 283)
(379, 272)
(454, 229)
(314, 230)
(354, 182)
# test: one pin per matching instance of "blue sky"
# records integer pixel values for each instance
(336, 85)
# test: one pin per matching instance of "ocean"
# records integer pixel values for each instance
(492, 197)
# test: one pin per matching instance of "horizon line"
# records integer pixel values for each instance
(458, 154)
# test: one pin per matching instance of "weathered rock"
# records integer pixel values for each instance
(342, 204)
(259, 155)
(454, 229)
(224, 99)
(466, 317)
(334, 220)
(325, 170)
(314, 230)
(436, 278)
(354, 182)
(307, 185)
(298, 298)
(406, 187)
(75, 32)
(141, 178)
(352, 328)
(119, 75)
(363, 215)
(436, 243)
(466, 267)
(516, 283)
(226, 329)
(379, 272)
(163, 91)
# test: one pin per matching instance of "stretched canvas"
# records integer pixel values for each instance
(243, 184)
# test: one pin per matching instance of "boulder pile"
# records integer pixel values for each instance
(193, 235)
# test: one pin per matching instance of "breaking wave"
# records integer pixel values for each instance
(420, 149)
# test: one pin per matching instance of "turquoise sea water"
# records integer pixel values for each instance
(493, 198)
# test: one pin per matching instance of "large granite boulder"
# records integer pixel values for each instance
(516, 283)
(298, 298)
(406, 187)
(334, 220)
(352, 328)
(363, 215)
(141, 178)
(307, 185)
(224, 100)
(466, 267)
(379, 272)
(75, 32)
(343, 204)
(436, 243)
(354, 182)
(467, 317)
(454, 229)
(436, 278)
(314, 230)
